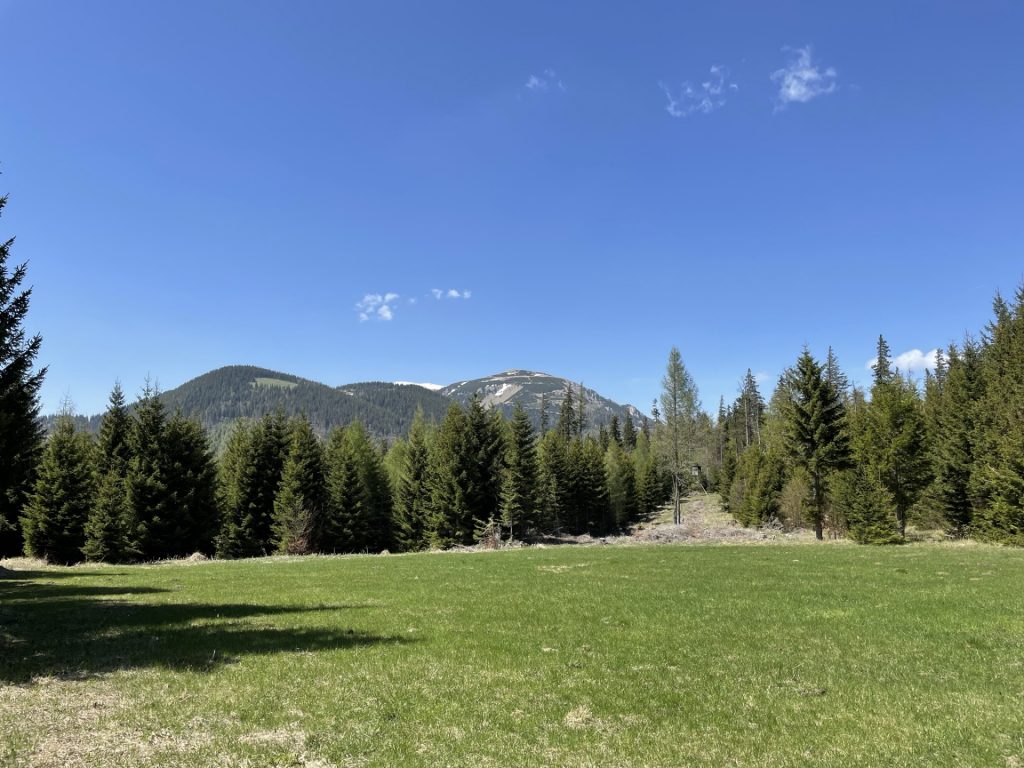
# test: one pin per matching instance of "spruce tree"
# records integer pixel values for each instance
(412, 490)
(895, 443)
(20, 432)
(110, 522)
(146, 478)
(628, 433)
(816, 432)
(192, 520)
(622, 487)
(834, 375)
(866, 506)
(484, 447)
(302, 497)
(346, 522)
(882, 367)
(451, 516)
(519, 490)
(568, 424)
(250, 475)
(55, 516)
(614, 431)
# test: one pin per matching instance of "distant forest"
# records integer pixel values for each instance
(402, 468)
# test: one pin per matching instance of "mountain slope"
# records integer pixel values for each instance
(504, 390)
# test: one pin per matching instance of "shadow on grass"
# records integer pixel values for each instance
(75, 631)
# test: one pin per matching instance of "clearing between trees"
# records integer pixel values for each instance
(656, 655)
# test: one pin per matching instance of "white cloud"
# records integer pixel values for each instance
(376, 306)
(548, 80)
(802, 80)
(704, 98)
(451, 293)
(911, 361)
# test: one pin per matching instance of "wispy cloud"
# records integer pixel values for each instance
(802, 80)
(451, 293)
(911, 361)
(546, 81)
(376, 306)
(705, 97)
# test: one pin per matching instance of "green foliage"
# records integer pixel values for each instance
(110, 522)
(866, 506)
(450, 480)
(191, 483)
(412, 490)
(358, 516)
(20, 433)
(817, 438)
(302, 497)
(148, 493)
(894, 441)
(520, 477)
(756, 489)
(55, 516)
(622, 486)
(250, 475)
(676, 437)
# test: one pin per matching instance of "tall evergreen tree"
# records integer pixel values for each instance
(817, 437)
(374, 489)
(451, 513)
(483, 461)
(412, 492)
(250, 475)
(519, 490)
(614, 431)
(628, 433)
(834, 375)
(54, 519)
(146, 478)
(108, 528)
(568, 422)
(192, 520)
(622, 487)
(895, 443)
(20, 433)
(882, 366)
(302, 497)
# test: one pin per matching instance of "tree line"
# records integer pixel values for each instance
(148, 487)
(948, 453)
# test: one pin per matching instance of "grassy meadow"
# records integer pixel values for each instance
(748, 655)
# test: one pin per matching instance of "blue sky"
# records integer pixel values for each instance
(197, 184)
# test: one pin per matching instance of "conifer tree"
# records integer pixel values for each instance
(107, 530)
(895, 442)
(622, 486)
(998, 474)
(302, 497)
(614, 431)
(866, 507)
(629, 433)
(451, 516)
(346, 522)
(544, 417)
(412, 490)
(555, 481)
(146, 478)
(250, 475)
(519, 490)
(484, 447)
(816, 431)
(882, 366)
(676, 445)
(20, 433)
(54, 519)
(568, 423)
(834, 375)
(192, 520)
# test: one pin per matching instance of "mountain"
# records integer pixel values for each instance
(222, 396)
(504, 390)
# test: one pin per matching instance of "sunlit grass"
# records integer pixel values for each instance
(597, 656)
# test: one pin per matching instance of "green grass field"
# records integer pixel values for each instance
(774, 655)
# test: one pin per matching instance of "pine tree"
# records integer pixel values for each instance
(544, 418)
(146, 479)
(622, 486)
(817, 437)
(412, 491)
(555, 481)
(20, 433)
(629, 433)
(250, 475)
(568, 422)
(882, 366)
(346, 522)
(834, 375)
(451, 516)
(302, 497)
(614, 431)
(751, 407)
(55, 516)
(107, 530)
(895, 443)
(192, 520)
(374, 490)
(866, 506)
(483, 461)
(519, 490)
